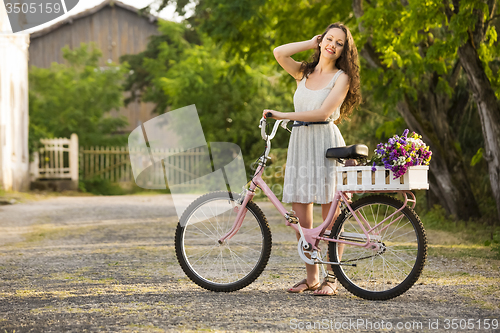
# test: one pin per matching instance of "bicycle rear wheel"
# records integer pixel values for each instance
(392, 269)
(222, 267)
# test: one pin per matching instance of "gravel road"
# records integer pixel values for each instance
(77, 264)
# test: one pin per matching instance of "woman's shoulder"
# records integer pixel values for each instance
(339, 77)
(343, 76)
(340, 73)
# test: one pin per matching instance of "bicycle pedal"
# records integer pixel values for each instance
(291, 218)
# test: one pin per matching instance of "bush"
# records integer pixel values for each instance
(436, 218)
(494, 243)
(100, 186)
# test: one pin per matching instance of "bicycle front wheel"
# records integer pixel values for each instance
(398, 259)
(233, 264)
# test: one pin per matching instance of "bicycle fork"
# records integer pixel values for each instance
(241, 212)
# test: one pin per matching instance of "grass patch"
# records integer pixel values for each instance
(482, 239)
(149, 328)
(487, 296)
(99, 232)
(79, 277)
(470, 231)
(48, 231)
(93, 291)
(21, 197)
(447, 278)
(99, 186)
(461, 251)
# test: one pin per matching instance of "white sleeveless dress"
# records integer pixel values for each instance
(309, 175)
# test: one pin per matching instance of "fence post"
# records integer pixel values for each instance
(81, 167)
(34, 172)
(73, 158)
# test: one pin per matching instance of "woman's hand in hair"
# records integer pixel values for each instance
(315, 41)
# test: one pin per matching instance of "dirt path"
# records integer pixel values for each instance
(78, 264)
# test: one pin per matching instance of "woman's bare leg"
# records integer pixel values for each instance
(325, 208)
(305, 214)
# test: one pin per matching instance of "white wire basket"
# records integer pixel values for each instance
(362, 178)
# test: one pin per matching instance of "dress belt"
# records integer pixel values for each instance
(307, 123)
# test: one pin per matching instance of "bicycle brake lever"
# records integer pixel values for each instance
(262, 121)
(284, 122)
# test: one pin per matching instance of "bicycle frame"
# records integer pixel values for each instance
(313, 236)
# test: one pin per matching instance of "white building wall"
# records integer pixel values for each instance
(14, 156)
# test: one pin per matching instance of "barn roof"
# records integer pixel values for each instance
(89, 12)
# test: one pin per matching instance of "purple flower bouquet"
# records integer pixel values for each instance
(400, 153)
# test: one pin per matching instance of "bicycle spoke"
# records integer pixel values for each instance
(397, 227)
(382, 272)
(206, 219)
(409, 232)
(235, 262)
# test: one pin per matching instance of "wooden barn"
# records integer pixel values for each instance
(115, 27)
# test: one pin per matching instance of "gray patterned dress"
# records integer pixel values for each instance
(309, 175)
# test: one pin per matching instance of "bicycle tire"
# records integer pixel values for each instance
(225, 267)
(379, 276)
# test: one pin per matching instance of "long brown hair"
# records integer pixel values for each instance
(348, 62)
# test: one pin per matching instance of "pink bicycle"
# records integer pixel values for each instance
(377, 246)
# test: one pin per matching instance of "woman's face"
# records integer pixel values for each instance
(333, 43)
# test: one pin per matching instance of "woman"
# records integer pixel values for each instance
(327, 91)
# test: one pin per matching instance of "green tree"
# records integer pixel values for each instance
(414, 55)
(229, 94)
(423, 52)
(479, 57)
(75, 98)
(406, 49)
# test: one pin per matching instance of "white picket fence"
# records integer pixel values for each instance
(113, 164)
(56, 159)
(61, 158)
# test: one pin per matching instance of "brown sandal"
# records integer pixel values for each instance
(302, 290)
(330, 282)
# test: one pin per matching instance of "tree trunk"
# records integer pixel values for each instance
(489, 113)
(452, 187)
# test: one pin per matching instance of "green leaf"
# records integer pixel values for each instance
(477, 157)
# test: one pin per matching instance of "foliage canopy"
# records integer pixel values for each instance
(75, 98)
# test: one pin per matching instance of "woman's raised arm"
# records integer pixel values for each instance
(283, 55)
(330, 104)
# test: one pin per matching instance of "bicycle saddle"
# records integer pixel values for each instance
(348, 152)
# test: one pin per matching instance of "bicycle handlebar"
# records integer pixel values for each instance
(262, 125)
